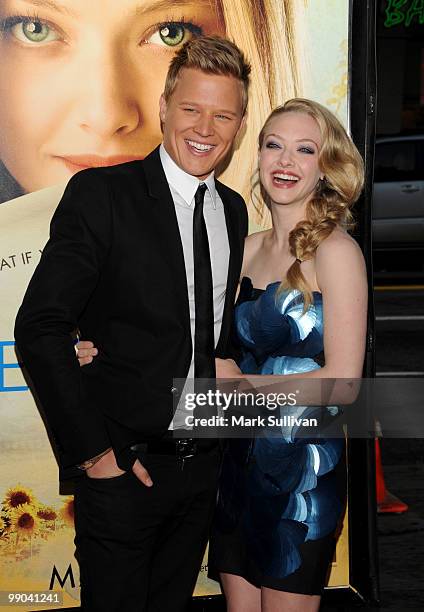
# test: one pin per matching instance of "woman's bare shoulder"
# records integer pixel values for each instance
(339, 256)
(339, 242)
(252, 246)
(254, 242)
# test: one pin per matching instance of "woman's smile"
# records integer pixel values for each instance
(284, 179)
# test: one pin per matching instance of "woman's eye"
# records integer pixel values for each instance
(271, 145)
(307, 150)
(30, 31)
(174, 33)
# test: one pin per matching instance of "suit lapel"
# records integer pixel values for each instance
(167, 231)
(234, 240)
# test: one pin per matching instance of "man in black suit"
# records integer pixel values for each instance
(144, 260)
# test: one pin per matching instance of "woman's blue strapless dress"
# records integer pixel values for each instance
(281, 498)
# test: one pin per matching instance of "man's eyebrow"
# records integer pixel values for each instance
(218, 110)
(52, 5)
(158, 5)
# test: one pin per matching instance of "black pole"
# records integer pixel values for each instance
(363, 94)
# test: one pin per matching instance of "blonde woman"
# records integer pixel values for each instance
(303, 296)
(80, 81)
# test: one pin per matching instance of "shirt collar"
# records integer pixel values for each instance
(185, 183)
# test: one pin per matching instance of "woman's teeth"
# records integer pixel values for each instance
(285, 177)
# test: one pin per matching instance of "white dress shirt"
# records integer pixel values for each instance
(183, 187)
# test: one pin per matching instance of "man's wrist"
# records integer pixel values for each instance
(86, 465)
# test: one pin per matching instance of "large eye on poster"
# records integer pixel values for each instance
(80, 83)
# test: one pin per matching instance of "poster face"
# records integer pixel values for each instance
(79, 86)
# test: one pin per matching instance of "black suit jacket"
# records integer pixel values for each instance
(114, 269)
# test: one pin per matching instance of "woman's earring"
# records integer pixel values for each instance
(321, 182)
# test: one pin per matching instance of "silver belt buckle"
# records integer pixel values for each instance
(184, 449)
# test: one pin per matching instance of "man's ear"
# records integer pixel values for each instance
(162, 108)
(243, 122)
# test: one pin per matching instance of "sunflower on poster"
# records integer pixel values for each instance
(25, 521)
(17, 496)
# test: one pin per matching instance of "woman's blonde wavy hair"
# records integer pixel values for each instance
(271, 33)
(343, 169)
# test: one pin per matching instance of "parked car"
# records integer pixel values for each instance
(398, 202)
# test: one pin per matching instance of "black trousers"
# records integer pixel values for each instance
(140, 548)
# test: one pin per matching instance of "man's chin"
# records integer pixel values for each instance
(199, 171)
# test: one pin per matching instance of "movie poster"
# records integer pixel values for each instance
(79, 86)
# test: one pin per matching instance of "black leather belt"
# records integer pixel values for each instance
(181, 448)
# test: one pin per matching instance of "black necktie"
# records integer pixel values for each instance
(204, 344)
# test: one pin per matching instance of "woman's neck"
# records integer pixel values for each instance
(284, 219)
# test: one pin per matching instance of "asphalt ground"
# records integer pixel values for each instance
(399, 309)
(399, 329)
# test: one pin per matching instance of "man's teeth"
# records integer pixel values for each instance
(199, 146)
(286, 177)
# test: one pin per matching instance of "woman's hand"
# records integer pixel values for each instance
(86, 351)
(227, 368)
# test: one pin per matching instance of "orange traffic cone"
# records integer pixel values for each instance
(386, 501)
